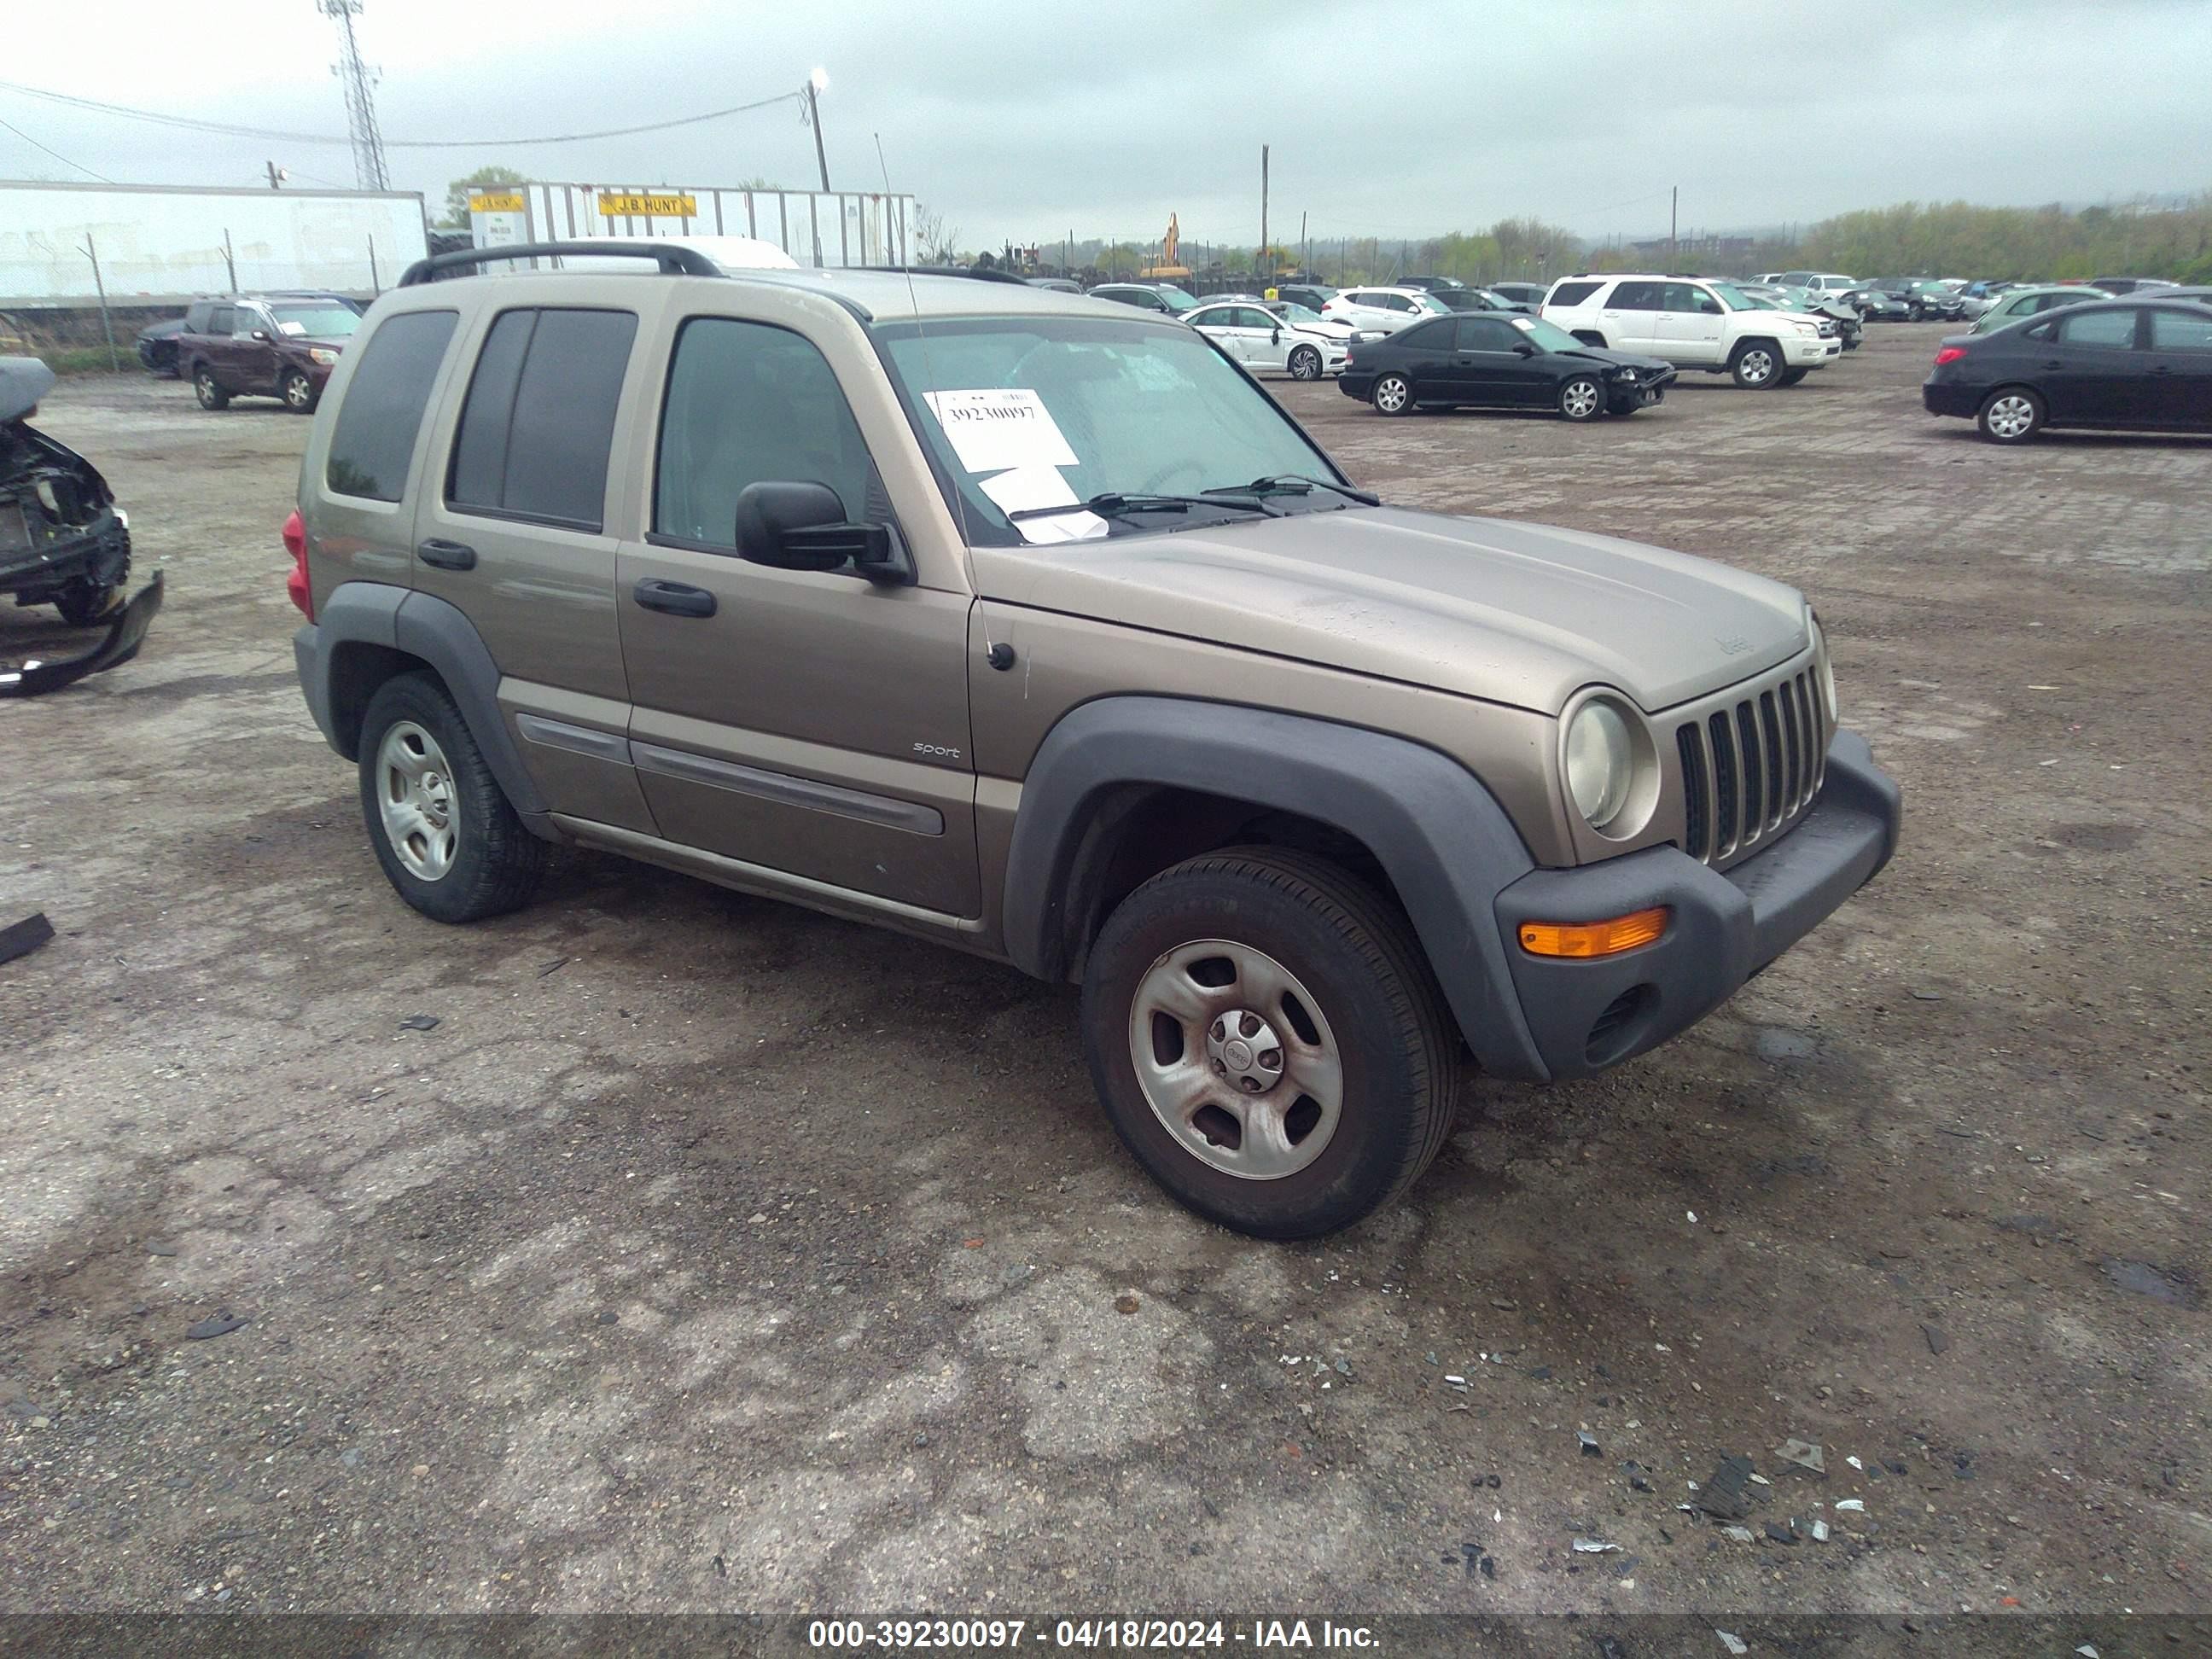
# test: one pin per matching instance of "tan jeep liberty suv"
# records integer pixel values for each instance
(1031, 624)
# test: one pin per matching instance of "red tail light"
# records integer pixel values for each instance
(296, 584)
(1949, 354)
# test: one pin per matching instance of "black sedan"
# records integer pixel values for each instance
(2145, 366)
(1507, 362)
(157, 346)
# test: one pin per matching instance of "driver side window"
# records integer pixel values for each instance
(749, 402)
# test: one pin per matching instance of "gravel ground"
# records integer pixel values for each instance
(711, 1254)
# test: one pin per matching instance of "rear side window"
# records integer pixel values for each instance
(1636, 296)
(221, 319)
(540, 416)
(749, 403)
(374, 437)
(196, 317)
(1572, 293)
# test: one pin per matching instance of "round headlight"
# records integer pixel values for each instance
(1600, 762)
(1828, 673)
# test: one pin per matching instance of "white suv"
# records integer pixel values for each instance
(1693, 323)
(1383, 310)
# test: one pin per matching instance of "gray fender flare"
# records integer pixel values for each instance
(1441, 837)
(423, 626)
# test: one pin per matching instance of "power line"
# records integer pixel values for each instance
(229, 130)
(56, 154)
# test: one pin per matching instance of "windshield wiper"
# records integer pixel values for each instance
(1120, 504)
(1297, 483)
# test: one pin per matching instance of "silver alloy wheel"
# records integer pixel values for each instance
(1305, 364)
(415, 798)
(1254, 1085)
(1580, 399)
(297, 392)
(203, 389)
(2011, 416)
(1757, 365)
(1391, 394)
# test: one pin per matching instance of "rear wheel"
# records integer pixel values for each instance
(1305, 364)
(1582, 398)
(2011, 416)
(297, 392)
(1393, 395)
(1267, 1040)
(204, 388)
(1757, 365)
(443, 830)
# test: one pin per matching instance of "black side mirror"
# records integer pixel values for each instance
(1522, 349)
(1276, 337)
(795, 526)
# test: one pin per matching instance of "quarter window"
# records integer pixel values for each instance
(1487, 334)
(1571, 293)
(2175, 331)
(540, 416)
(750, 404)
(374, 438)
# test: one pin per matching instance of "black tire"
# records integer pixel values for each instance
(1756, 365)
(1399, 1048)
(1305, 364)
(497, 863)
(210, 395)
(1791, 376)
(1392, 394)
(84, 603)
(2012, 415)
(297, 392)
(1582, 397)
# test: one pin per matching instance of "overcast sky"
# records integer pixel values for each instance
(1025, 121)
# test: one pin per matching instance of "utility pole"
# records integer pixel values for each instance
(368, 171)
(814, 85)
(1263, 207)
(1305, 248)
(275, 175)
(1674, 218)
(91, 251)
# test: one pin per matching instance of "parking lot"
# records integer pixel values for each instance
(709, 1254)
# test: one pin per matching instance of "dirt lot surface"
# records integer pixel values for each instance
(708, 1254)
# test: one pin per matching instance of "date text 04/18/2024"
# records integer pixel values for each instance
(1087, 1635)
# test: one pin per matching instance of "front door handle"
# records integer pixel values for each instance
(446, 556)
(673, 598)
(2163, 368)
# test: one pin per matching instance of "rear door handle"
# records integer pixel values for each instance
(2163, 368)
(673, 598)
(446, 556)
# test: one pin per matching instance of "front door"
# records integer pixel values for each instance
(1261, 334)
(1427, 355)
(1489, 370)
(2094, 372)
(1691, 324)
(808, 722)
(2178, 392)
(251, 358)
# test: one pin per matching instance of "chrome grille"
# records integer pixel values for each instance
(1751, 765)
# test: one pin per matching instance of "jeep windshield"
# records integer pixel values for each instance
(1023, 414)
(331, 322)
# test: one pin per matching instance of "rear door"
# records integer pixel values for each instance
(513, 531)
(1630, 317)
(1691, 324)
(2094, 373)
(808, 722)
(2179, 392)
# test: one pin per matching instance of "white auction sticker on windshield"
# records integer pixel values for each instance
(1024, 489)
(999, 428)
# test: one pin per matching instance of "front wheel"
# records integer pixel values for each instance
(1305, 364)
(1393, 395)
(2011, 417)
(449, 841)
(297, 392)
(1756, 365)
(204, 388)
(1791, 376)
(1267, 1040)
(1582, 398)
(84, 602)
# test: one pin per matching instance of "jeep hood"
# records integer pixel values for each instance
(1509, 612)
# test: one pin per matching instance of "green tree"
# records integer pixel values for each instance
(457, 193)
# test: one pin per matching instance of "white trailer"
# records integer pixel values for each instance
(162, 244)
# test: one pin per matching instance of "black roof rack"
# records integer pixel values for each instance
(673, 259)
(969, 271)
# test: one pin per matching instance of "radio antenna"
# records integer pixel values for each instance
(922, 337)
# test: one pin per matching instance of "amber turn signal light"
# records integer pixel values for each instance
(1594, 938)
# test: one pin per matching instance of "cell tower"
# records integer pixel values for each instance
(360, 99)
